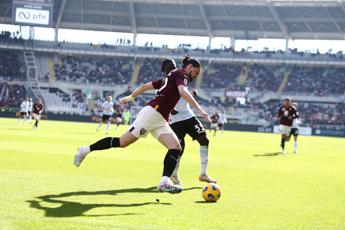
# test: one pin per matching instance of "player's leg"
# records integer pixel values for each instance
(29, 117)
(295, 136)
(105, 143)
(24, 117)
(100, 123)
(19, 117)
(282, 129)
(197, 132)
(36, 121)
(174, 177)
(204, 144)
(113, 142)
(170, 141)
(179, 129)
(119, 121)
(220, 126)
(108, 126)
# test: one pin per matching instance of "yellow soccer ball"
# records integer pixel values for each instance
(211, 192)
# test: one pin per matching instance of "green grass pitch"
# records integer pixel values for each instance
(40, 189)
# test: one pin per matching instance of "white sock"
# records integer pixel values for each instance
(203, 159)
(99, 126)
(108, 126)
(295, 146)
(177, 167)
(164, 180)
(85, 149)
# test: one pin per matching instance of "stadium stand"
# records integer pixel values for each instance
(11, 95)
(11, 66)
(89, 70)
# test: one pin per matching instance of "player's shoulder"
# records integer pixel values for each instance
(177, 73)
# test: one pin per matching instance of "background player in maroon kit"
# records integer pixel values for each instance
(154, 117)
(118, 115)
(214, 122)
(37, 110)
(286, 114)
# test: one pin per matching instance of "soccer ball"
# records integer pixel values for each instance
(211, 192)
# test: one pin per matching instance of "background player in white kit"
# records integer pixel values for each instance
(23, 110)
(294, 128)
(183, 121)
(108, 110)
(222, 120)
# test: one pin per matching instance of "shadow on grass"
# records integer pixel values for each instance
(203, 202)
(267, 154)
(73, 209)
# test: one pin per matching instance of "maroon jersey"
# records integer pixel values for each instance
(214, 118)
(37, 108)
(168, 95)
(286, 115)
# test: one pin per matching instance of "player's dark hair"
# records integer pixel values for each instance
(190, 60)
(168, 65)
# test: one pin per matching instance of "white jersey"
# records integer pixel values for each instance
(222, 118)
(108, 108)
(184, 111)
(30, 105)
(295, 123)
(24, 107)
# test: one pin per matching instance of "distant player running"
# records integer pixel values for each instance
(222, 121)
(37, 112)
(23, 110)
(183, 121)
(294, 130)
(214, 123)
(286, 115)
(108, 110)
(118, 116)
(154, 117)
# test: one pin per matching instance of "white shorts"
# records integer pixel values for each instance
(36, 116)
(214, 126)
(150, 121)
(118, 119)
(283, 129)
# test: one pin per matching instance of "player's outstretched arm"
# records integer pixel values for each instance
(136, 92)
(185, 94)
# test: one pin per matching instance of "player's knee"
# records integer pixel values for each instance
(203, 140)
(179, 148)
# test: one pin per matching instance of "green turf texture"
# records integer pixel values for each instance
(40, 188)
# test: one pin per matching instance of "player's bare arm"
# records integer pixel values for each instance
(137, 92)
(185, 94)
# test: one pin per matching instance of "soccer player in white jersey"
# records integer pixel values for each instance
(183, 121)
(222, 121)
(294, 128)
(108, 110)
(23, 111)
(30, 107)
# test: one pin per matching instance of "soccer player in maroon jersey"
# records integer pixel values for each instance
(153, 118)
(36, 112)
(286, 114)
(214, 123)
